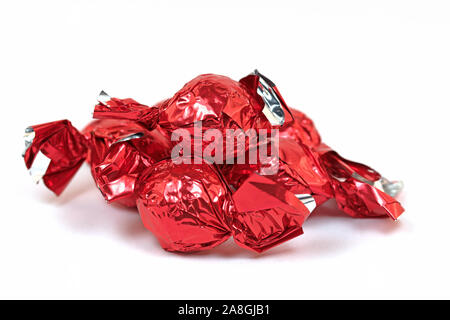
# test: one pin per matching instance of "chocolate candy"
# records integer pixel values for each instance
(185, 206)
(193, 186)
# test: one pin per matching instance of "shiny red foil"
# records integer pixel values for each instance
(269, 202)
(60, 142)
(301, 130)
(125, 161)
(127, 109)
(300, 171)
(266, 214)
(354, 189)
(67, 148)
(101, 134)
(184, 205)
(191, 207)
(217, 102)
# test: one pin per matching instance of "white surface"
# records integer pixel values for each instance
(374, 75)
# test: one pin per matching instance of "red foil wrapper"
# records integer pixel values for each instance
(101, 134)
(125, 161)
(299, 171)
(271, 209)
(54, 153)
(301, 130)
(191, 207)
(184, 206)
(125, 109)
(266, 214)
(56, 150)
(359, 190)
(215, 102)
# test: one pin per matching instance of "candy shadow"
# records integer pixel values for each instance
(89, 214)
(230, 249)
(383, 226)
(94, 216)
(299, 248)
(83, 209)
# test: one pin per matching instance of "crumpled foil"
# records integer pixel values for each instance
(184, 206)
(197, 206)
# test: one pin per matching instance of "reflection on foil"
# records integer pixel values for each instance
(392, 188)
(272, 109)
(39, 167)
(29, 137)
(307, 200)
(136, 135)
(103, 97)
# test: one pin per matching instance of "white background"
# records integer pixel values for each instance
(374, 75)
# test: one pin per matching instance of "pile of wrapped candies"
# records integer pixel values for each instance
(191, 201)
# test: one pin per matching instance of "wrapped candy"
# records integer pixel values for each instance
(185, 206)
(272, 208)
(359, 190)
(218, 101)
(195, 198)
(207, 102)
(55, 151)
